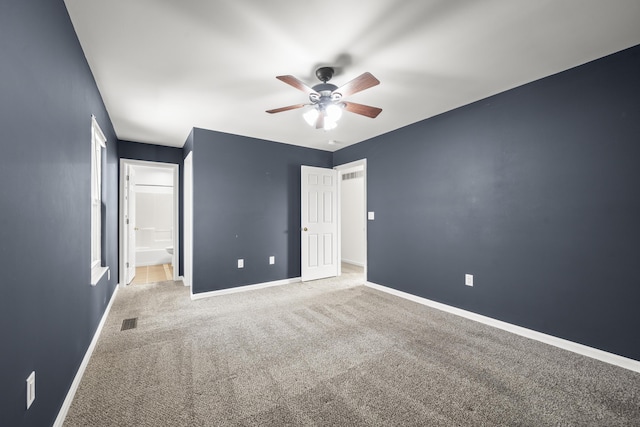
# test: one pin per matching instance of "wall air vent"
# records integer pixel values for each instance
(352, 175)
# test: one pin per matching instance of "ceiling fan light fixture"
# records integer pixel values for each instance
(334, 112)
(331, 114)
(311, 116)
(329, 124)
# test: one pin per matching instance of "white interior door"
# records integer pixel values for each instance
(129, 223)
(319, 251)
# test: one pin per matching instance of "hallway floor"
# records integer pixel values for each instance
(153, 274)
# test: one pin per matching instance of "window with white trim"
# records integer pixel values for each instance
(98, 144)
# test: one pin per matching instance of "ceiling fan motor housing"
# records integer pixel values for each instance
(324, 93)
(324, 87)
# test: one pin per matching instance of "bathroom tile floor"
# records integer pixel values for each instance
(152, 274)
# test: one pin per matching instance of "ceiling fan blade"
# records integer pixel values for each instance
(320, 121)
(360, 83)
(298, 84)
(281, 109)
(363, 110)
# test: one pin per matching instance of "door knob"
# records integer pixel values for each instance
(305, 229)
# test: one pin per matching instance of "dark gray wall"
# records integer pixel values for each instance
(48, 310)
(246, 205)
(160, 154)
(534, 191)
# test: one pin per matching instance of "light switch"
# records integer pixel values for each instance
(31, 388)
(241, 263)
(371, 216)
(272, 260)
(468, 279)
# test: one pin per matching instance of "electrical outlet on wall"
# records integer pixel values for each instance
(241, 263)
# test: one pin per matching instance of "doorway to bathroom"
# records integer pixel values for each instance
(148, 222)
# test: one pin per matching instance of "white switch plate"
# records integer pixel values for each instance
(31, 388)
(371, 216)
(468, 279)
(272, 260)
(240, 263)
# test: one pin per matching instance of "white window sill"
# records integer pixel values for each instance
(97, 273)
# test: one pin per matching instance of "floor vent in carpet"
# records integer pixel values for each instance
(129, 323)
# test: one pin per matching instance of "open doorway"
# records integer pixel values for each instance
(148, 222)
(353, 225)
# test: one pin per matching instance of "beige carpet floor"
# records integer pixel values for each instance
(332, 353)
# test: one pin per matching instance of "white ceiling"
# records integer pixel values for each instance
(165, 66)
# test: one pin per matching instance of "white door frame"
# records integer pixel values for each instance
(128, 221)
(188, 222)
(340, 169)
(176, 214)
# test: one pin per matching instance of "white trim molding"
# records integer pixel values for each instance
(356, 263)
(97, 273)
(245, 288)
(594, 353)
(62, 414)
(98, 144)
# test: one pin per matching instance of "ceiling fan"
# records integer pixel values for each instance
(327, 98)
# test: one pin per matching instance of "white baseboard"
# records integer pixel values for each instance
(181, 278)
(62, 414)
(244, 288)
(356, 263)
(614, 359)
